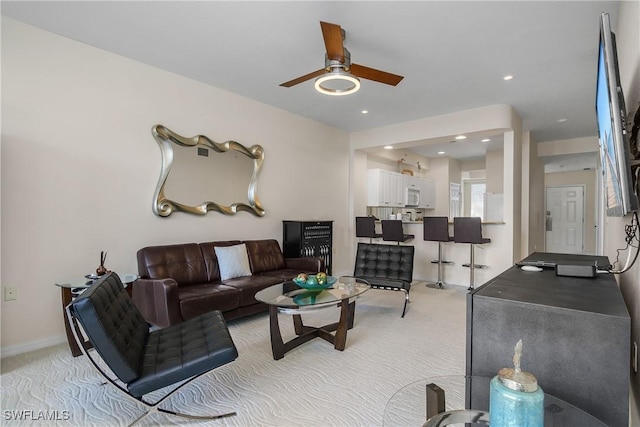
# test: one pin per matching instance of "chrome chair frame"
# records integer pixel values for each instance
(151, 406)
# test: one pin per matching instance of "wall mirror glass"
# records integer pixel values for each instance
(199, 175)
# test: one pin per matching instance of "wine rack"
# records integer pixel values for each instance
(307, 239)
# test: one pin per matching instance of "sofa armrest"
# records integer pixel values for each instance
(306, 264)
(157, 300)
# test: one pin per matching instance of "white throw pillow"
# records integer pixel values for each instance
(233, 261)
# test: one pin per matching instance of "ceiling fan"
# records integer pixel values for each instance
(339, 76)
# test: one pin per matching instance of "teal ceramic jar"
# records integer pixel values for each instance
(515, 399)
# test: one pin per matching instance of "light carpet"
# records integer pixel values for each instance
(313, 385)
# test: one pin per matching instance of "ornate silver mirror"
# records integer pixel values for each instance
(197, 170)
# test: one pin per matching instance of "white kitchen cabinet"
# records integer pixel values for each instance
(385, 188)
(398, 183)
(388, 189)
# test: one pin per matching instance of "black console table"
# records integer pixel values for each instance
(308, 238)
(575, 331)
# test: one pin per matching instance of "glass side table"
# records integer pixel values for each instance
(69, 291)
(466, 398)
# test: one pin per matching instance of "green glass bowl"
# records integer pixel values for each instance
(330, 281)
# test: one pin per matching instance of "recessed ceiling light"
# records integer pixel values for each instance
(486, 140)
(461, 137)
(365, 111)
(508, 77)
(562, 120)
(388, 147)
(441, 152)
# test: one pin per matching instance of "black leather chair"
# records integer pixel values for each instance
(469, 230)
(436, 229)
(386, 267)
(392, 231)
(146, 361)
(366, 227)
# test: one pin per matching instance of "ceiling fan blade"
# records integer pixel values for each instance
(375, 75)
(332, 35)
(304, 78)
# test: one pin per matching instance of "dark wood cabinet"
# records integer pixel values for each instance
(308, 238)
(575, 331)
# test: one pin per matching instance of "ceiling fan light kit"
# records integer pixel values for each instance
(340, 77)
(337, 83)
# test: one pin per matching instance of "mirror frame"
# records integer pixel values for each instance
(164, 207)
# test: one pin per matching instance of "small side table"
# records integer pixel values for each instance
(69, 292)
(438, 401)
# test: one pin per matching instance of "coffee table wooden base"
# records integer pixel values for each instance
(306, 333)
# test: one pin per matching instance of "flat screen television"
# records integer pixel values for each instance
(620, 190)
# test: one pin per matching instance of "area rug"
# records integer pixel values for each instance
(313, 385)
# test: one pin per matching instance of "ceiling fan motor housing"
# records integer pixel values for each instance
(330, 64)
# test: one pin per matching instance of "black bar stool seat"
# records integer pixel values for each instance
(436, 229)
(469, 230)
(366, 227)
(392, 231)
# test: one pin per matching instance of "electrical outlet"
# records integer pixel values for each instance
(634, 357)
(10, 293)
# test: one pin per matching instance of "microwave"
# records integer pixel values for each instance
(412, 197)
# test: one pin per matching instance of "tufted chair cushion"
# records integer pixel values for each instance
(384, 262)
(265, 255)
(119, 332)
(181, 351)
(147, 361)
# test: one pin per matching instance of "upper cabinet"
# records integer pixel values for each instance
(385, 188)
(389, 189)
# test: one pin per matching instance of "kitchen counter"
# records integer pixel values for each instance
(450, 222)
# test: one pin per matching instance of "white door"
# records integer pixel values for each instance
(565, 220)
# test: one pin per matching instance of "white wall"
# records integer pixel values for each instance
(533, 213)
(495, 172)
(80, 166)
(568, 146)
(439, 174)
(627, 31)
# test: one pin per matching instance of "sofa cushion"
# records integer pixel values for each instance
(210, 259)
(203, 298)
(183, 263)
(247, 287)
(265, 255)
(233, 261)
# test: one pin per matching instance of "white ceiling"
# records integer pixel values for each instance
(453, 54)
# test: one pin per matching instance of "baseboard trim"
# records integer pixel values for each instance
(31, 346)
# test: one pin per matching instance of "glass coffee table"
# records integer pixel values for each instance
(440, 401)
(289, 298)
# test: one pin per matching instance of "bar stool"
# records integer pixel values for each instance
(366, 227)
(469, 230)
(392, 231)
(436, 229)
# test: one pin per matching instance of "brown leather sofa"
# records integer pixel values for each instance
(179, 282)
